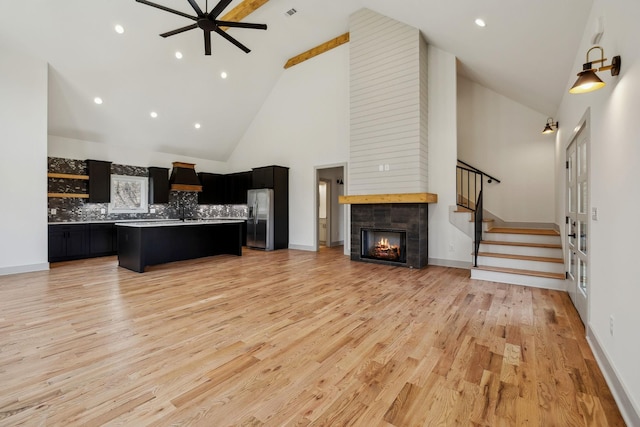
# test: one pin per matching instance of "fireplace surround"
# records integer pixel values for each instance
(411, 218)
(406, 212)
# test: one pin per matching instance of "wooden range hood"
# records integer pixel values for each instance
(184, 178)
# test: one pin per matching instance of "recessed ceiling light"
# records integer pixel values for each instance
(197, 126)
(223, 74)
(153, 114)
(119, 29)
(97, 100)
(480, 23)
(178, 54)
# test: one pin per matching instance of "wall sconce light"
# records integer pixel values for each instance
(588, 81)
(551, 126)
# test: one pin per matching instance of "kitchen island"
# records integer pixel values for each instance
(150, 243)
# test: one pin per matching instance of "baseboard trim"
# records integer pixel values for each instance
(630, 414)
(303, 247)
(29, 268)
(450, 263)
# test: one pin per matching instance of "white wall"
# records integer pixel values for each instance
(23, 163)
(614, 163)
(447, 244)
(388, 102)
(503, 138)
(304, 123)
(76, 149)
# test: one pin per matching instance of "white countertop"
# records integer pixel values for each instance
(155, 221)
(173, 222)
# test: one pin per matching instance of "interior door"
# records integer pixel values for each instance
(577, 224)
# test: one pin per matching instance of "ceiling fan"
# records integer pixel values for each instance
(208, 22)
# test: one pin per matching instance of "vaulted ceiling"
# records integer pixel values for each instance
(525, 52)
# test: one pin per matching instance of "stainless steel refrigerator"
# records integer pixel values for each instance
(260, 219)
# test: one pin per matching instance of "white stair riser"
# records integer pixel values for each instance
(522, 238)
(521, 264)
(517, 279)
(522, 250)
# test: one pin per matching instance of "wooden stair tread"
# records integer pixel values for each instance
(534, 231)
(533, 245)
(522, 257)
(548, 275)
(484, 220)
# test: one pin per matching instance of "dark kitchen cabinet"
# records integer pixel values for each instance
(277, 178)
(77, 241)
(213, 189)
(67, 242)
(99, 181)
(158, 185)
(102, 239)
(237, 185)
(218, 189)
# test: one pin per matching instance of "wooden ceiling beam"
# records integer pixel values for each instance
(322, 48)
(242, 10)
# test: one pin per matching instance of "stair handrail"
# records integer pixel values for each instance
(471, 192)
(477, 228)
(475, 169)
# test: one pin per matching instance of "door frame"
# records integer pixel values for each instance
(580, 302)
(346, 208)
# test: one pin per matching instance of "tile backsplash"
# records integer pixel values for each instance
(72, 209)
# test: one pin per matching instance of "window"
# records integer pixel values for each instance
(129, 194)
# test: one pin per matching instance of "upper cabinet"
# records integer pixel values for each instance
(237, 186)
(158, 185)
(213, 189)
(99, 181)
(218, 189)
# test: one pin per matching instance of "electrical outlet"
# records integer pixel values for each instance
(380, 168)
(152, 210)
(53, 211)
(103, 211)
(451, 247)
(611, 325)
(594, 213)
(386, 167)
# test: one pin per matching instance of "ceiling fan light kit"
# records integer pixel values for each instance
(208, 22)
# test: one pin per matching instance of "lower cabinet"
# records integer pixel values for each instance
(103, 239)
(67, 242)
(77, 241)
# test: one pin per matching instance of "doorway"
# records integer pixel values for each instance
(330, 216)
(577, 221)
(324, 213)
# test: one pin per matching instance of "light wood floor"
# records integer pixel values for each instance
(290, 338)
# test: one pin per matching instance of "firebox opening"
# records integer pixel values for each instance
(385, 245)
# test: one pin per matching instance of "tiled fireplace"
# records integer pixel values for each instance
(390, 233)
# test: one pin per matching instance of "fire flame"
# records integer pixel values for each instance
(384, 244)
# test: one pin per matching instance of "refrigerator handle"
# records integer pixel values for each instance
(255, 211)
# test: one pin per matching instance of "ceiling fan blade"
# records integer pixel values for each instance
(166, 9)
(207, 42)
(179, 30)
(195, 7)
(219, 8)
(232, 40)
(241, 25)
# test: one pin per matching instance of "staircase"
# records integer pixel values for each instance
(521, 256)
(527, 256)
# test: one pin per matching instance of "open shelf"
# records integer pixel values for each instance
(69, 195)
(67, 176)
